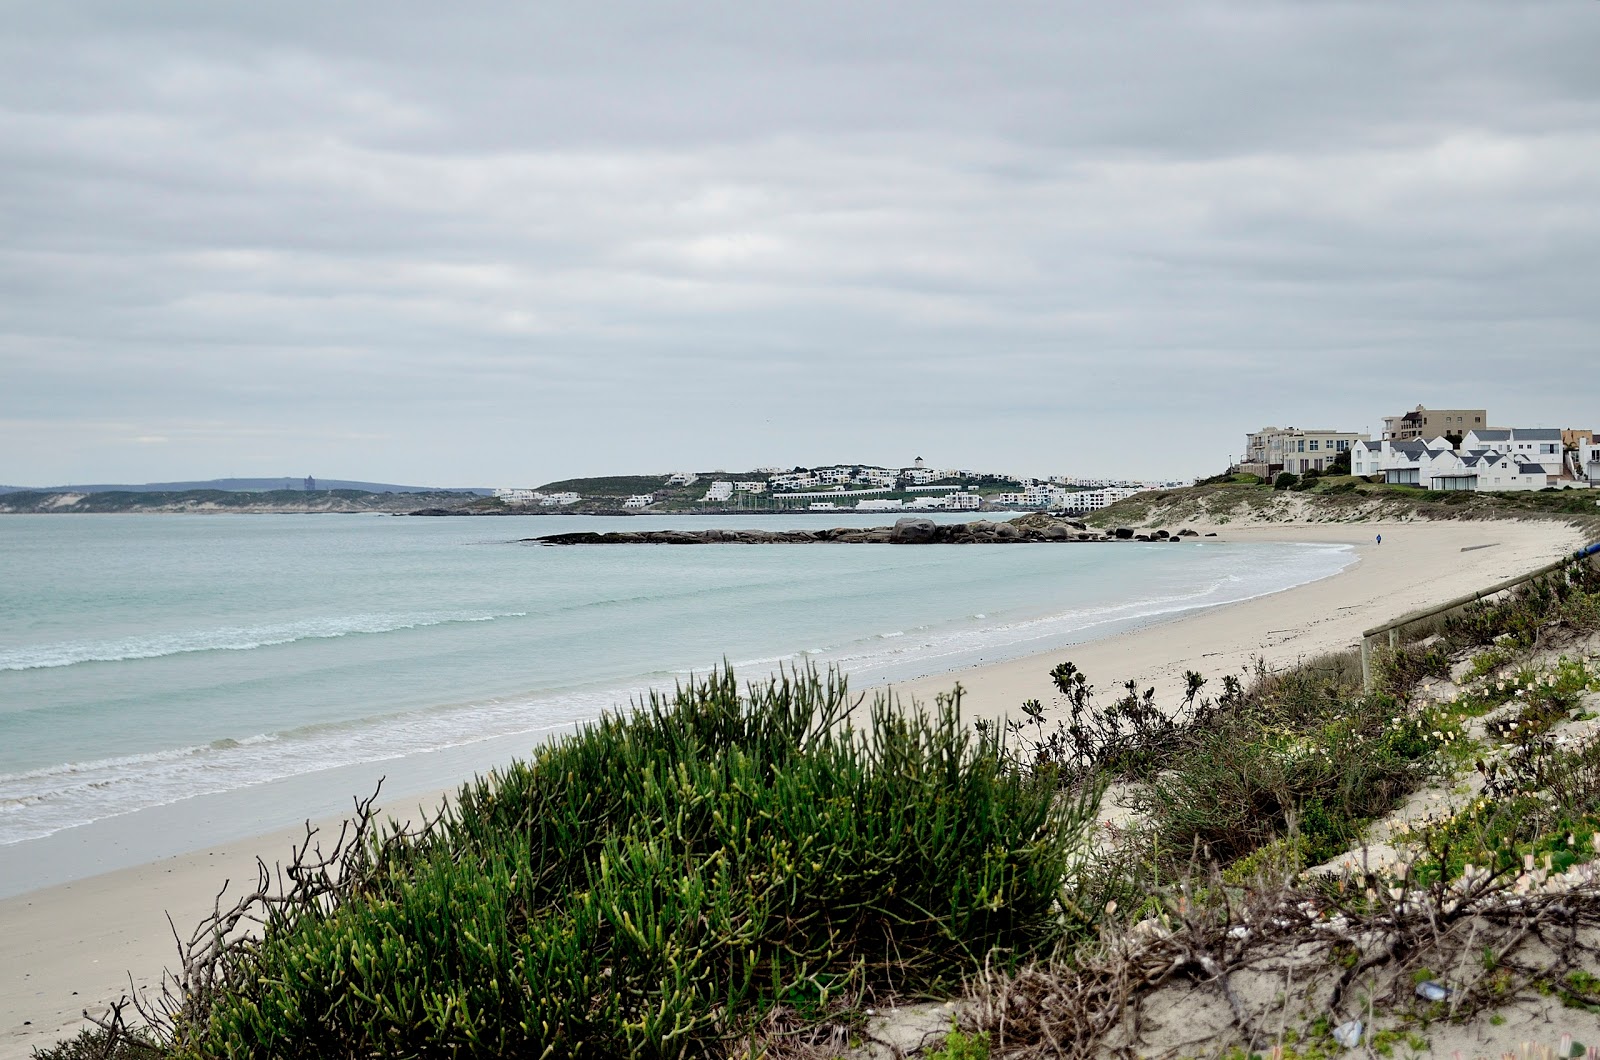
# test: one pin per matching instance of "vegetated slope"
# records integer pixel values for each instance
(229, 501)
(1340, 500)
(655, 886)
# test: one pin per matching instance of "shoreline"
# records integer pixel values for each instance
(71, 946)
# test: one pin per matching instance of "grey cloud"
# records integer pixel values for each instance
(770, 233)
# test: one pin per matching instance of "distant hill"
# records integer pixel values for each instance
(247, 485)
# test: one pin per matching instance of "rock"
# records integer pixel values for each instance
(1123, 533)
(913, 531)
(1212, 534)
(1141, 537)
(1160, 535)
(1187, 533)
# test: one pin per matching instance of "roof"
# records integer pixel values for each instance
(1491, 435)
(1537, 434)
(1531, 469)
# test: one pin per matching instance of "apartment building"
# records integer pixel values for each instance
(1423, 422)
(1274, 449)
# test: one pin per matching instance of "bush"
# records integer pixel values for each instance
(656, 882)
(1285, 480)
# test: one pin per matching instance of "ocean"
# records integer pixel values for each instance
(172, 681)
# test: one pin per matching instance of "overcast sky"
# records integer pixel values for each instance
(497, 244)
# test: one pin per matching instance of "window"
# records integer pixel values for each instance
(1302, 447)
(1313, 445)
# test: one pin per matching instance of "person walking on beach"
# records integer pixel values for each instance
(1380, 539)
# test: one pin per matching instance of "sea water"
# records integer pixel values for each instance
(168, 681)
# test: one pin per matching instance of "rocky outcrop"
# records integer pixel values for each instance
(908, 531)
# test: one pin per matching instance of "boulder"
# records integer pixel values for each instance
(1123, 533)
(913, 531)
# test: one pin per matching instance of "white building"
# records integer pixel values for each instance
(965, 502)
(750, 487)
(526, 497)
(1531, 445)
(1094, 500)
(1478, 465)
(795, 480)
(640, 500)
(927, 503)
(1589, 460)
(1406, 460)
(880, 504)
(877, 476)
(824, 506)
(719, 492)
(683, 478)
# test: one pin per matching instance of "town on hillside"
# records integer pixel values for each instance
(1434, 449)
(835, 488)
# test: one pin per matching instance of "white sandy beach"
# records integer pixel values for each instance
(71, 947)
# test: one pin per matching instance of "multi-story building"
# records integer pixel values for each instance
(750, 487)
(1589, 460)
(719, 492)
(640, 500)
(1423, 422)
(1094, 500)
(518, 496)
(965, 502)
(1480, 464)
(1531, 445)
(683, 478)
(1274, 449)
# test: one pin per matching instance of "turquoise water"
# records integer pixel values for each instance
(147, 661)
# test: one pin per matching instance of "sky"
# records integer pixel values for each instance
(505, 243)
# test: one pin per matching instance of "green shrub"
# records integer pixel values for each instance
(655, 882)
(1285, 480)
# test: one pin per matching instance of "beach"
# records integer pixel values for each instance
(73, 946)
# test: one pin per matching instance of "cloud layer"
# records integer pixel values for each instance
(504, 244)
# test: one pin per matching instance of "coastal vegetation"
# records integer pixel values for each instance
(1284, 859)
(1242, 499)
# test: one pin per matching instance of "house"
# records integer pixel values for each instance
(683, 478)
(879, 504)
(1274, 449)
(750, 487)
(1589, 460)
(1531, 445)
(719, 492)
(641, 500)
(1435, 464)
(1400, 462)
(963, 502)
(1423, 422)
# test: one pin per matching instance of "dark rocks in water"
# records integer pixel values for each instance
(1031, 528)
(1187, 533)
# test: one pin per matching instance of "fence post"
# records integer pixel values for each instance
(1366, 664)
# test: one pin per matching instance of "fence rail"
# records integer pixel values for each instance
(1587, 554)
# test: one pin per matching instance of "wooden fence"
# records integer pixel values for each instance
(1583, 555)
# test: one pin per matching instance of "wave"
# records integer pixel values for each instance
(47, 800)
(228, 638)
